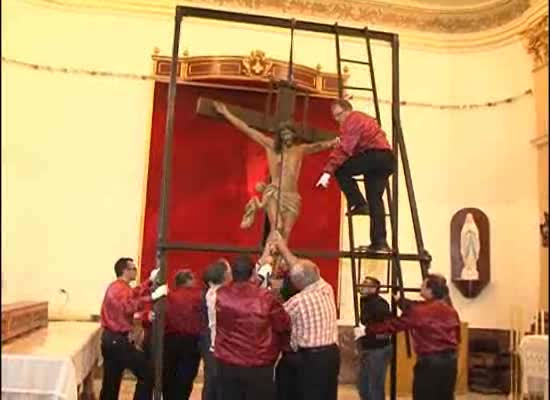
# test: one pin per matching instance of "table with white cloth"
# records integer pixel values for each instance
(50, 363)
(533, 351)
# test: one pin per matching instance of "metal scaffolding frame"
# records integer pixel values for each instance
(163, 245)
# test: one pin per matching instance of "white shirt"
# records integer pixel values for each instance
(211, 309)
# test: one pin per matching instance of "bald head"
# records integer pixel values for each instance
(304, 273)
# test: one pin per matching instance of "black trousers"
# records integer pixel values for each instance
(180, 367)
(246, 383)
(287, 378)
(376, 166)
(319, 371)
(210, 385)
(435, 377)
(119, 354)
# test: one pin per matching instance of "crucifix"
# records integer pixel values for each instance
(285, 151)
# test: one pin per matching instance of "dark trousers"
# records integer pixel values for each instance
(373, 366)
(287, 378)
(246, 383)
(319, 373)
(210, 386)
(181, 365)
(119, 354)
(376, 166)
(435, 377)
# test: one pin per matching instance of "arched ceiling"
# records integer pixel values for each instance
(430, 16)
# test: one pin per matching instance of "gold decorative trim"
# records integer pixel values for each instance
(491, 24)
(536, 41)
(254, 67)
(376, 12)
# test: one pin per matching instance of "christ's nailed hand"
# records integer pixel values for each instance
(220, 107)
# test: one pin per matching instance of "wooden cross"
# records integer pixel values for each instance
(284, 111)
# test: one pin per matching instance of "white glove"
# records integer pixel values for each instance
(159, 292)
(359, 331)
(323, 180)
(264, 273)
(154, 274)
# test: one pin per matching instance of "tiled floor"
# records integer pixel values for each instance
(345, 392)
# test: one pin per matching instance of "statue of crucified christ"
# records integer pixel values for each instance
(284, 157)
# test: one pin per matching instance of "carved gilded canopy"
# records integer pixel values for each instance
(254, 70)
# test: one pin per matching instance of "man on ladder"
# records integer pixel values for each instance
(363, 150)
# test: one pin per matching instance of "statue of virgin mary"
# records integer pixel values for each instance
(469, 249)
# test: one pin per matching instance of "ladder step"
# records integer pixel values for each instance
(365, 215)
(359, 88)
(405, 289)
(354, 61)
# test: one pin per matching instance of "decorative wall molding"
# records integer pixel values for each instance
(536, 41)
(489, 24)
(461, 19)
(540, 141)
(155, 77)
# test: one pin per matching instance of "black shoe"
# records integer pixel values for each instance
(358, 210)
(379, 248)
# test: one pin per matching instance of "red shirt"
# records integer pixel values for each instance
(434, 326)
(183, 311)
(250, 325)
(121, 302)
(358, 133)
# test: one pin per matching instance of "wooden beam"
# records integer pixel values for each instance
(258, 120)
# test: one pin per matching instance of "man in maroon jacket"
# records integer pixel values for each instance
(250, 326)
(183, 325)
(435, 330)
(363, 150)
(117, 311)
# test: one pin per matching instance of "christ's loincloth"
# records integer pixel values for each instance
(290, 203)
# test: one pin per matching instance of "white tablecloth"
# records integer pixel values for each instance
(50, 363)
(533, 351)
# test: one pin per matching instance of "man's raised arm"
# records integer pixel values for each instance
(252, 133)
(281, 245)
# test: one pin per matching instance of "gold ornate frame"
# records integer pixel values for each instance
(252, 72)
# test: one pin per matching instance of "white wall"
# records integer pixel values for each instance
(75, 148)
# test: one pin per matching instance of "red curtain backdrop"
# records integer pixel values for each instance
(214, 171)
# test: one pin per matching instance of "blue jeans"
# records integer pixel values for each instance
(372, 373)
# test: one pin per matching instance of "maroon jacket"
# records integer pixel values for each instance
(183, 311)
(250, 325)
(358, 133)
(120, 303)
(434, 326)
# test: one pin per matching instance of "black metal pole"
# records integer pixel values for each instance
(290, 72)
(394, 204)
(159, 306)
(202, 247)
(424, 265)
(280, 22)
(371, 76)
(338, 64)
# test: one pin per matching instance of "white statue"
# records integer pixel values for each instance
(469, 249)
